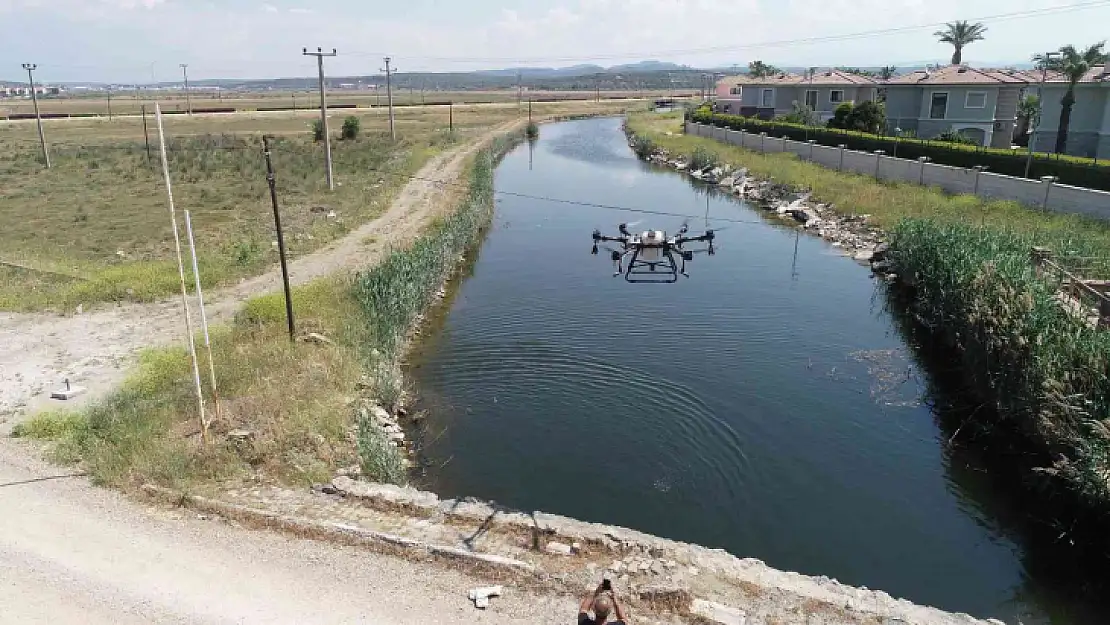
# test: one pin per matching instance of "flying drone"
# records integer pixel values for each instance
(651, 254)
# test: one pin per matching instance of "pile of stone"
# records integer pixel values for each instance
(855, 235)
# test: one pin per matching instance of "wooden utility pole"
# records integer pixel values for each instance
(31, 67)
(281, 238)
(389, 97)
(146, 134)
(188, 98)
(320, 54)
(109, 103)
(518, 89)
(451, 115)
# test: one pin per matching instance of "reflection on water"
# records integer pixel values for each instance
(768, 405)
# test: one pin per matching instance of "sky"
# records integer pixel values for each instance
(128, 41)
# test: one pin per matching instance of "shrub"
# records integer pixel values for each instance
(351, 127)
(801, 114)
(863, 117)
(643, 146)
(317, 130)
(702, 158)
(379, 461)
(532, 131)
(955, 136)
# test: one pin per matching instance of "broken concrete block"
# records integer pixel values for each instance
(481, 603)
(67, 393)
(717, 613)
(559, 549)
(485, 591)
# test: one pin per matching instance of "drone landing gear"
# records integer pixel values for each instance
(663, 271)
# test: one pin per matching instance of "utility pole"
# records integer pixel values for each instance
(1040, 108)
(518, 89)
(109, 102)
(281, 238)
(188, 99)
(451, 115)
(31, 67)
(146, 134)
(389, 97)
(320, 54)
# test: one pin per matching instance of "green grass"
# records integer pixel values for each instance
(885, 203)
(97, 224)
(299, 400)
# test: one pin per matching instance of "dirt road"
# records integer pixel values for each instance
(72, 553)
(94, 349)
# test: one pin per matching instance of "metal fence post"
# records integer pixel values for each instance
(1048, 181)
(923, 160)
(841, 166)
(978, 172)
(762, 143)
(743, 138)
(878, 158)
(812, 142)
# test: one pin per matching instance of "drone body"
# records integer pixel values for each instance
(651, 254)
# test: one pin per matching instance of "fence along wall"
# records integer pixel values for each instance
(1051, 196)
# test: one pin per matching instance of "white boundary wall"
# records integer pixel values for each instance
(1060, 198)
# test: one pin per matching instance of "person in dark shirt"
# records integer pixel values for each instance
(603, 602)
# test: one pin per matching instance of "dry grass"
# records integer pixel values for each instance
(100, 213)
(129, 104)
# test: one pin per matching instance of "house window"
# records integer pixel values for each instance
(811, 98)
(976, 100)
(836, 96)
(734, 90)
(938, 107)
(768, 97)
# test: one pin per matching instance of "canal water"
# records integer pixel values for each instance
(768, 405)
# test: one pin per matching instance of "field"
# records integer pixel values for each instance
(131, 103)
(95, 227)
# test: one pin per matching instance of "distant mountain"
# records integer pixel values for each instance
(648, 66)
(542, 72)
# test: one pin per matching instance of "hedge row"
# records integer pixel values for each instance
(1069, 170)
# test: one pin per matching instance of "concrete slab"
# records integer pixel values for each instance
(67, 394)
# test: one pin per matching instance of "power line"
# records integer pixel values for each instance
(542, 198)
(766, 44)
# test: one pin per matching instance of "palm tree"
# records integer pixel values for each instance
(960, 34)
(1073, 64)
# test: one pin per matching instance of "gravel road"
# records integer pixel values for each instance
(74, 553)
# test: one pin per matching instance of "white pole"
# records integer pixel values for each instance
(203, 315)
(181, 275)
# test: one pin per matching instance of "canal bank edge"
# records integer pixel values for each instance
(551, 553)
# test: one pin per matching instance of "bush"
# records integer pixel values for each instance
(702, 158)
(317, 130)
(801, 114)
(532, 131)
(955, 136)
(643, 146)
(863, 117)
(351, 127)
(1070, 170)
(379, 461)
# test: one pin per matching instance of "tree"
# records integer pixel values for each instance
(960, 34)
(351, 127)
(759, 69)
(864, 117)
(1073, 64)
(1028, 109)
(887, 72)
(317, 130)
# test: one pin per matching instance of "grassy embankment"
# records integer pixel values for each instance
(1046, 372)
(300, 401)
(95, 228)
